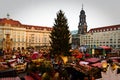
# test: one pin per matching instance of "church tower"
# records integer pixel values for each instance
(82, 27)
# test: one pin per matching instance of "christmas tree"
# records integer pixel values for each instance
(60, 36)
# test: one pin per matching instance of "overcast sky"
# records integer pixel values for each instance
(99, 13)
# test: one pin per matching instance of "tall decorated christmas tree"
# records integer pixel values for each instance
(60, 36)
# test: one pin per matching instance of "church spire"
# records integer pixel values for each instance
(82, 6)
(82, 27)
(8, 16)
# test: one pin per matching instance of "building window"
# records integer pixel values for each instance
(110, 45)
(18, 39)
(119, 46)
(114, 45)
(118, 40)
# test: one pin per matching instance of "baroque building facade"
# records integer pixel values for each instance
(102, 36)
(23, 36)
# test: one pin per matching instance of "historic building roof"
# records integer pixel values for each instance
(16, 23)
(9, 21)
(106, 28)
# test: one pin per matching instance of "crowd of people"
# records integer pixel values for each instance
(40, 64)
